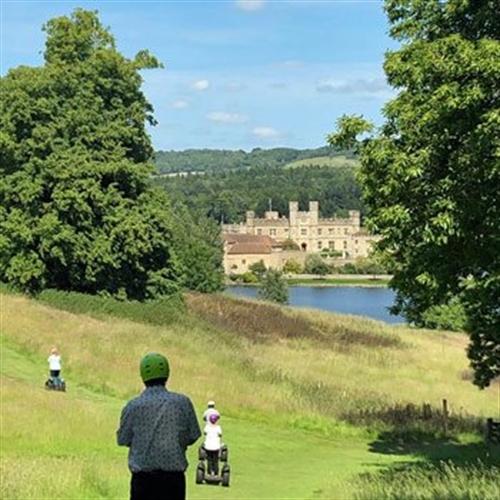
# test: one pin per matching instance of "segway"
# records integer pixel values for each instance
(209, 468)
(55, 384)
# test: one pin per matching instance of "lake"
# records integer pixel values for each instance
(358, 300)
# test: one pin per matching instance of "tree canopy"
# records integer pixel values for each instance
(431, 173)
(77, 211)
(225, 196)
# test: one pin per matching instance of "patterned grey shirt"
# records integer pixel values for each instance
(158, 426)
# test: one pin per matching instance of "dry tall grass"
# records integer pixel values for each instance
(260, 358)
(347, 360)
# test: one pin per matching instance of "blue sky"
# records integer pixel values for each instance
(238, 74)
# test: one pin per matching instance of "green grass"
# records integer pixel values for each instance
(61, 445)
(310, 401)
(324, 161)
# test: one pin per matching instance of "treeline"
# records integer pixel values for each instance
(226, 195)
(202, 160)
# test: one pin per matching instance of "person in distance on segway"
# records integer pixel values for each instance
(55, 366)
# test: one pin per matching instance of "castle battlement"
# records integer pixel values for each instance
(312, 234)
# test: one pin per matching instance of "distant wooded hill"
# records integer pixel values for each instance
(223, 185)
(202, 160)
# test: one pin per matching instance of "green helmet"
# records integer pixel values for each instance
(154, 365)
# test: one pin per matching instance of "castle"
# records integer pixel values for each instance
(263, 238)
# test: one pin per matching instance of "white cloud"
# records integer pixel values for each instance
(250, 5)
(201, 85)
(220, 116)
(360, 86)
(180, 104)
(265, 132)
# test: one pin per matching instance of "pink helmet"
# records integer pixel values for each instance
(213, 417)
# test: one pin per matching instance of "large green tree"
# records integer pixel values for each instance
(76, 208)
(431, 172)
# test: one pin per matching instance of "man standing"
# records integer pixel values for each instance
(157, 426)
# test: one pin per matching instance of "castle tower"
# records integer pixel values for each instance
(355, 219)
(312, 230)
(313, 212)
(293, 208)
(250, 221)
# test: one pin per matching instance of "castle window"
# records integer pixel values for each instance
(303, 232)
(320, 244)
(319, 231)
(259, 231)
(272, 232)
(331, 245)
(331, 230)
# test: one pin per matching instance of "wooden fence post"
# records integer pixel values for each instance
(445, 416)
(426, 411)
(492, 431)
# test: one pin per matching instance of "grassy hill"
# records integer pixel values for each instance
(323, 161)
(310, 400)
(200, 160)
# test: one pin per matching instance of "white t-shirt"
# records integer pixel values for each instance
(54, 362)
(213, 435)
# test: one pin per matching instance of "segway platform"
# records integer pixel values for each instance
(203, 474)
(52, 384)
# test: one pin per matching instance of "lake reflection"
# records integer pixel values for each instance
(361, 301)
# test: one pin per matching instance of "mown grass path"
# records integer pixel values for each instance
(75, 432)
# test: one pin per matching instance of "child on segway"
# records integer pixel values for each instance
(213, 443)
(213, 452)
(210, 411)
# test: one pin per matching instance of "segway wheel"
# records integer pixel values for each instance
(200, 473)
(49, 385)
(62, 387)
(225, 478)
(202, 453)
(223, 454)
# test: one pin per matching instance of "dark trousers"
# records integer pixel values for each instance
(158, 485)
(213, 461)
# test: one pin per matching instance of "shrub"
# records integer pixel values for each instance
(291, 266)
(314, 264)
(274, 287)
(258, 268)
(290, 245)
(249, 277)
